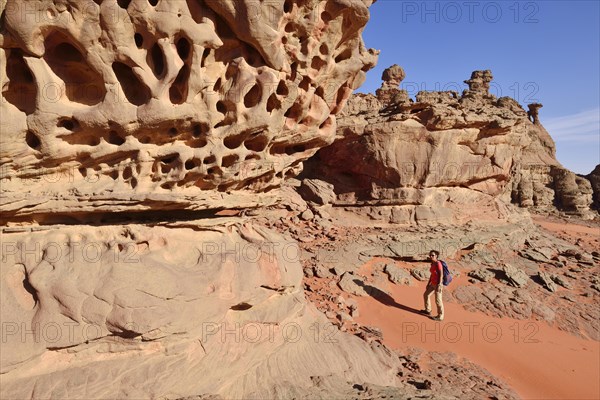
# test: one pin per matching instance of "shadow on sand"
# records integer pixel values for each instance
(385, 298)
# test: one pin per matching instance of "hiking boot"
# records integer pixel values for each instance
(425, 312)
(438, 318)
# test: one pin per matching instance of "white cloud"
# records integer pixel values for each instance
(581, 127)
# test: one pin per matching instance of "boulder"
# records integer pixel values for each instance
(352, 284)
(317, 191)
(515, 276)
(483, 274)
(547, 281)
(397, 275)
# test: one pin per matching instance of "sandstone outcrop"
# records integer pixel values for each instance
(167, 311)
(445, 157)
(125, 119)
(594, 178)
(141, 105)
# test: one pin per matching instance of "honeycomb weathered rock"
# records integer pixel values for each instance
(169, 101)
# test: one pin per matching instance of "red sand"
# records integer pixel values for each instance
(586, 236)
(536, 360)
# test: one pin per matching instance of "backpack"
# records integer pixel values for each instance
(447, 274)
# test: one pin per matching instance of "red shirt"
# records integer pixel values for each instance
(436, 271)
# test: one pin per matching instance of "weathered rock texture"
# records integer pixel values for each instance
(168, 312)
(445, 157)
(136, 104)
(594, 178)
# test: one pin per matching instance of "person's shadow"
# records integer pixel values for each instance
(385, 298)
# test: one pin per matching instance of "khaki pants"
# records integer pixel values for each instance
(438, 300)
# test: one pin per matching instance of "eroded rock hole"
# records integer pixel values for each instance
(157, 60)
(304, 45)
(214, 170)
(200, 129)
(294, 112)
(183, 48)
(127, 173)
(253, 96)
(115, 138)
(282, 89)
(217, 86)
(305, 84)
(241, 306)
(317, 63)
(234, 141)
(67, 52)
(294, 69)
(289, 28)
(299, 148)
(230, 160)
(82, 83)
(344, 55)
(139, 40)
(324, 49)
(210, 160)
(123, 3)
(198, 143)
(288, 6)
(191, 164)
(135, 90)
(273, 103)
(153, 3)
(32, 140)
(205, 55)
(179, 89)
(171, 158)
(257, 143)
(68, 123)
(326, 17)
(21, 90)
(221, 107)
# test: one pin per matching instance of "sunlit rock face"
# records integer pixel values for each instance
(182, 103)
(445, 157)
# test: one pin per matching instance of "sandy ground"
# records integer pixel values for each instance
(585, 234)
(538, 361)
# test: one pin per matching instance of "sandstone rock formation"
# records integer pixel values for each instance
(594, 178)
(122, 120)
(122, 112)
(388, 92)
(137, 104)
(445, 157)
(167, 311)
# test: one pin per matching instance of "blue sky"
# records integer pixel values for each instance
(545, 51)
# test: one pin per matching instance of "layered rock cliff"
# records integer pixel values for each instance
(445, 156)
